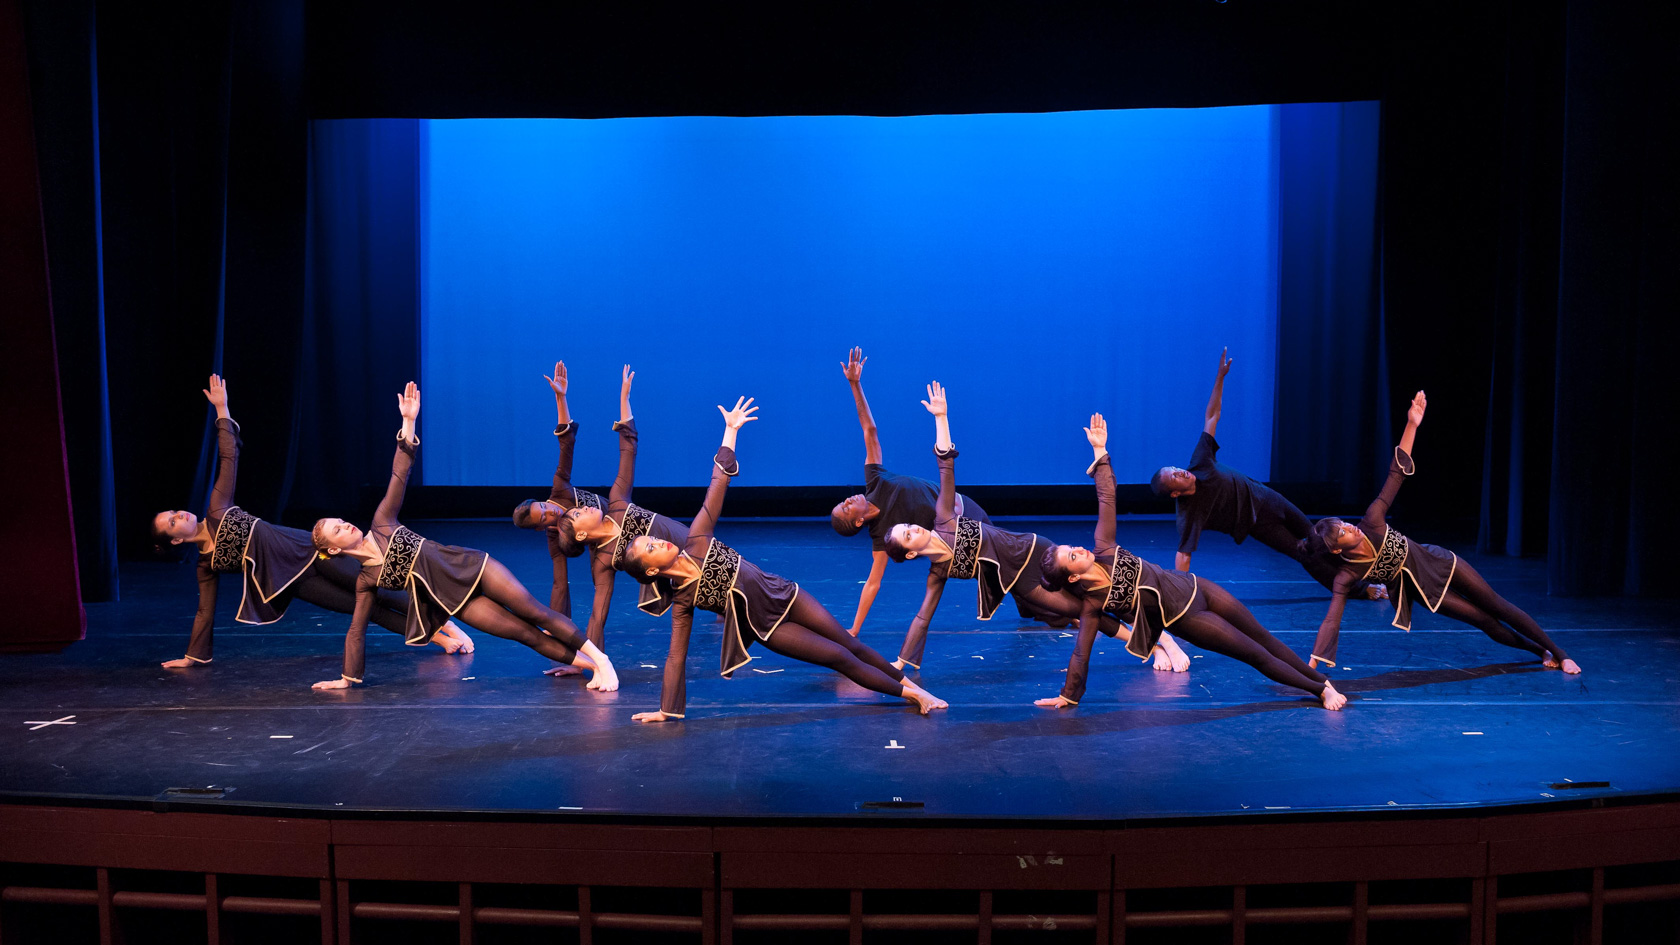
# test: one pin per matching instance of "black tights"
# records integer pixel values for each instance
(1470, 600)
(1284, 538)
(1228, 628)
(331, 585)
(811, 634)
(1033, 600)
(1044, 603)
(501, 606)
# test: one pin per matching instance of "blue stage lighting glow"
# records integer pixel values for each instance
(1042, 266)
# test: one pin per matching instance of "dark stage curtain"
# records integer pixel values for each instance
(1331, 422)
(164, 83)
(361, 324)
(1576, 446)
(176, 140)
(38, 582)
(1612, 449)
(1516, 470)
(64, 86)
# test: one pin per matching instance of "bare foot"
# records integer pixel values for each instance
(464, 642)
(1549, 661)
(925, 701)
(339, 683)
(898, 665)
(1180, 660)
(1332, 699)
(1570, 667)
(1163, 662)
(1055, 702)
(562, 670)
(1376, 592)
(651, 717)
(181, 663)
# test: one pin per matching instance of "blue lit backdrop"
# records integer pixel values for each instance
(1041, 266)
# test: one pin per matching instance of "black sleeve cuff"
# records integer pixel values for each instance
(725, 460)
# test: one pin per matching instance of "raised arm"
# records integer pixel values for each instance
(945, 509)
(853, 369)
(1215, 400)
(724, 467)
(408, 403)
(1102, 471)
(566, 430)
(619, 496)
(673, 692)
(1402, 465)
(227, 449)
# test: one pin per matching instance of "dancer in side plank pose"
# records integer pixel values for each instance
(1213, 496)
(276, 564)
(1000, 562)
(1371, 550)
(607, 534)
(565, 499)
(547, 514)
(891, 499)
(443, 580)
(1114, 583)
(756, 606)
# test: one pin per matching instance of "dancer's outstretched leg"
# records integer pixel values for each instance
(1474, 588)
(808, 612)
(1210, 631)
(1237, 614)
(562, 639)
(810, 646)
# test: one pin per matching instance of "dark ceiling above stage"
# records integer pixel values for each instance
(392, 59)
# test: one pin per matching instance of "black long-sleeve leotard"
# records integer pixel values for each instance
(1147, 597)
(753, 602)
(1429, 568)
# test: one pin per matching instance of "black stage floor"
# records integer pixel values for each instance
(1439, 718)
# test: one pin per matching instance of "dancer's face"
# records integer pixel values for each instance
(178, 524)
(584, 521)
(1075, 560)
(1344, 538)
(544, 515)
(853, 508)
(339, 534)
(655, 554)
(1178, 481)
(914, 539)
